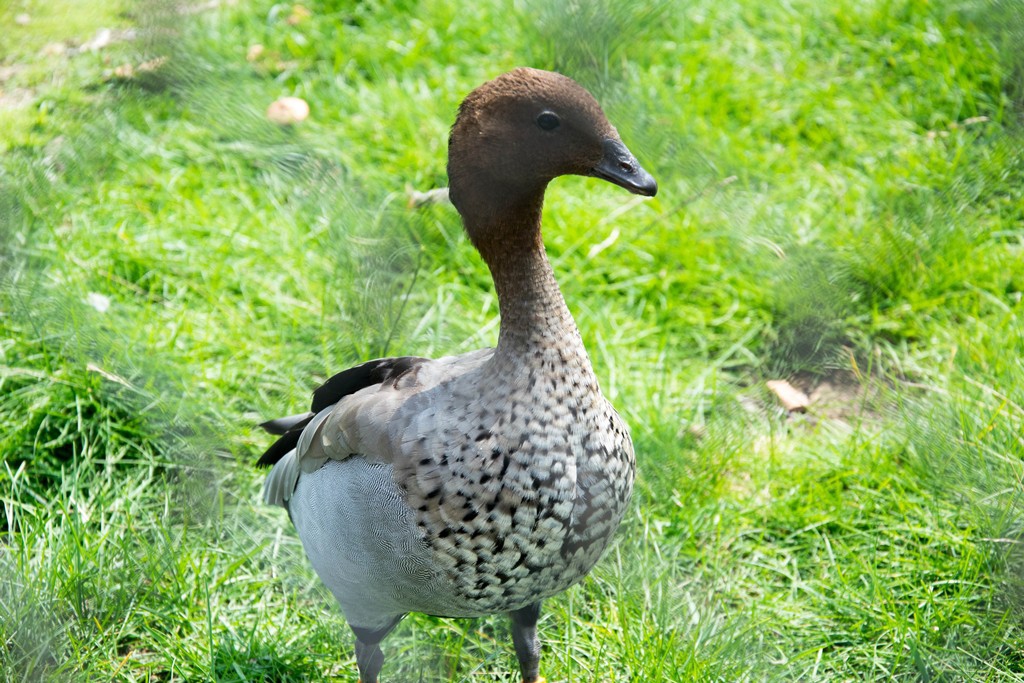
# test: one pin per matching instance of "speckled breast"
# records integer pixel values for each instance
(525, 506)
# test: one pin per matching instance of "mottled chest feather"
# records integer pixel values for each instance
(519, 494)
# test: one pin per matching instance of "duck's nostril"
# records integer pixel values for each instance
(626, 166)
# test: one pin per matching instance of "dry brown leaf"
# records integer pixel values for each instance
(792, 399)
(288, 110)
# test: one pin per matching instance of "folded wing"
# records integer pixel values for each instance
(352, 413)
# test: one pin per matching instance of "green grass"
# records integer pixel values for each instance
(842, 204)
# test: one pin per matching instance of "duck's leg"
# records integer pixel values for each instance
(369, 657)
(524, 636)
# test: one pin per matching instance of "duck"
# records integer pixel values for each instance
(487, 482)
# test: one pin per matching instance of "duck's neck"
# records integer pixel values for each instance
(536, 324)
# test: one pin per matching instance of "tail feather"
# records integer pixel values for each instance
(282, 425)
(290, 429)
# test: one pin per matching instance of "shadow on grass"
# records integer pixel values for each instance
(235, 662)
(966, 450)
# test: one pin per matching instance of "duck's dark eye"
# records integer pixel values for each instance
(548, 120)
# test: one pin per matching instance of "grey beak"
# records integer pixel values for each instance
(619, 166)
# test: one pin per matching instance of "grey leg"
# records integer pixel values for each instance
(369, 657)
(524, 636)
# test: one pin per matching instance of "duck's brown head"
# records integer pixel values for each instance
(516, 133)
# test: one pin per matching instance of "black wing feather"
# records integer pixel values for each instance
(330, 392)
(279, 448)
(361, 376)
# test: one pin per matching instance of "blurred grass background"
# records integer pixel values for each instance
(841, 205)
